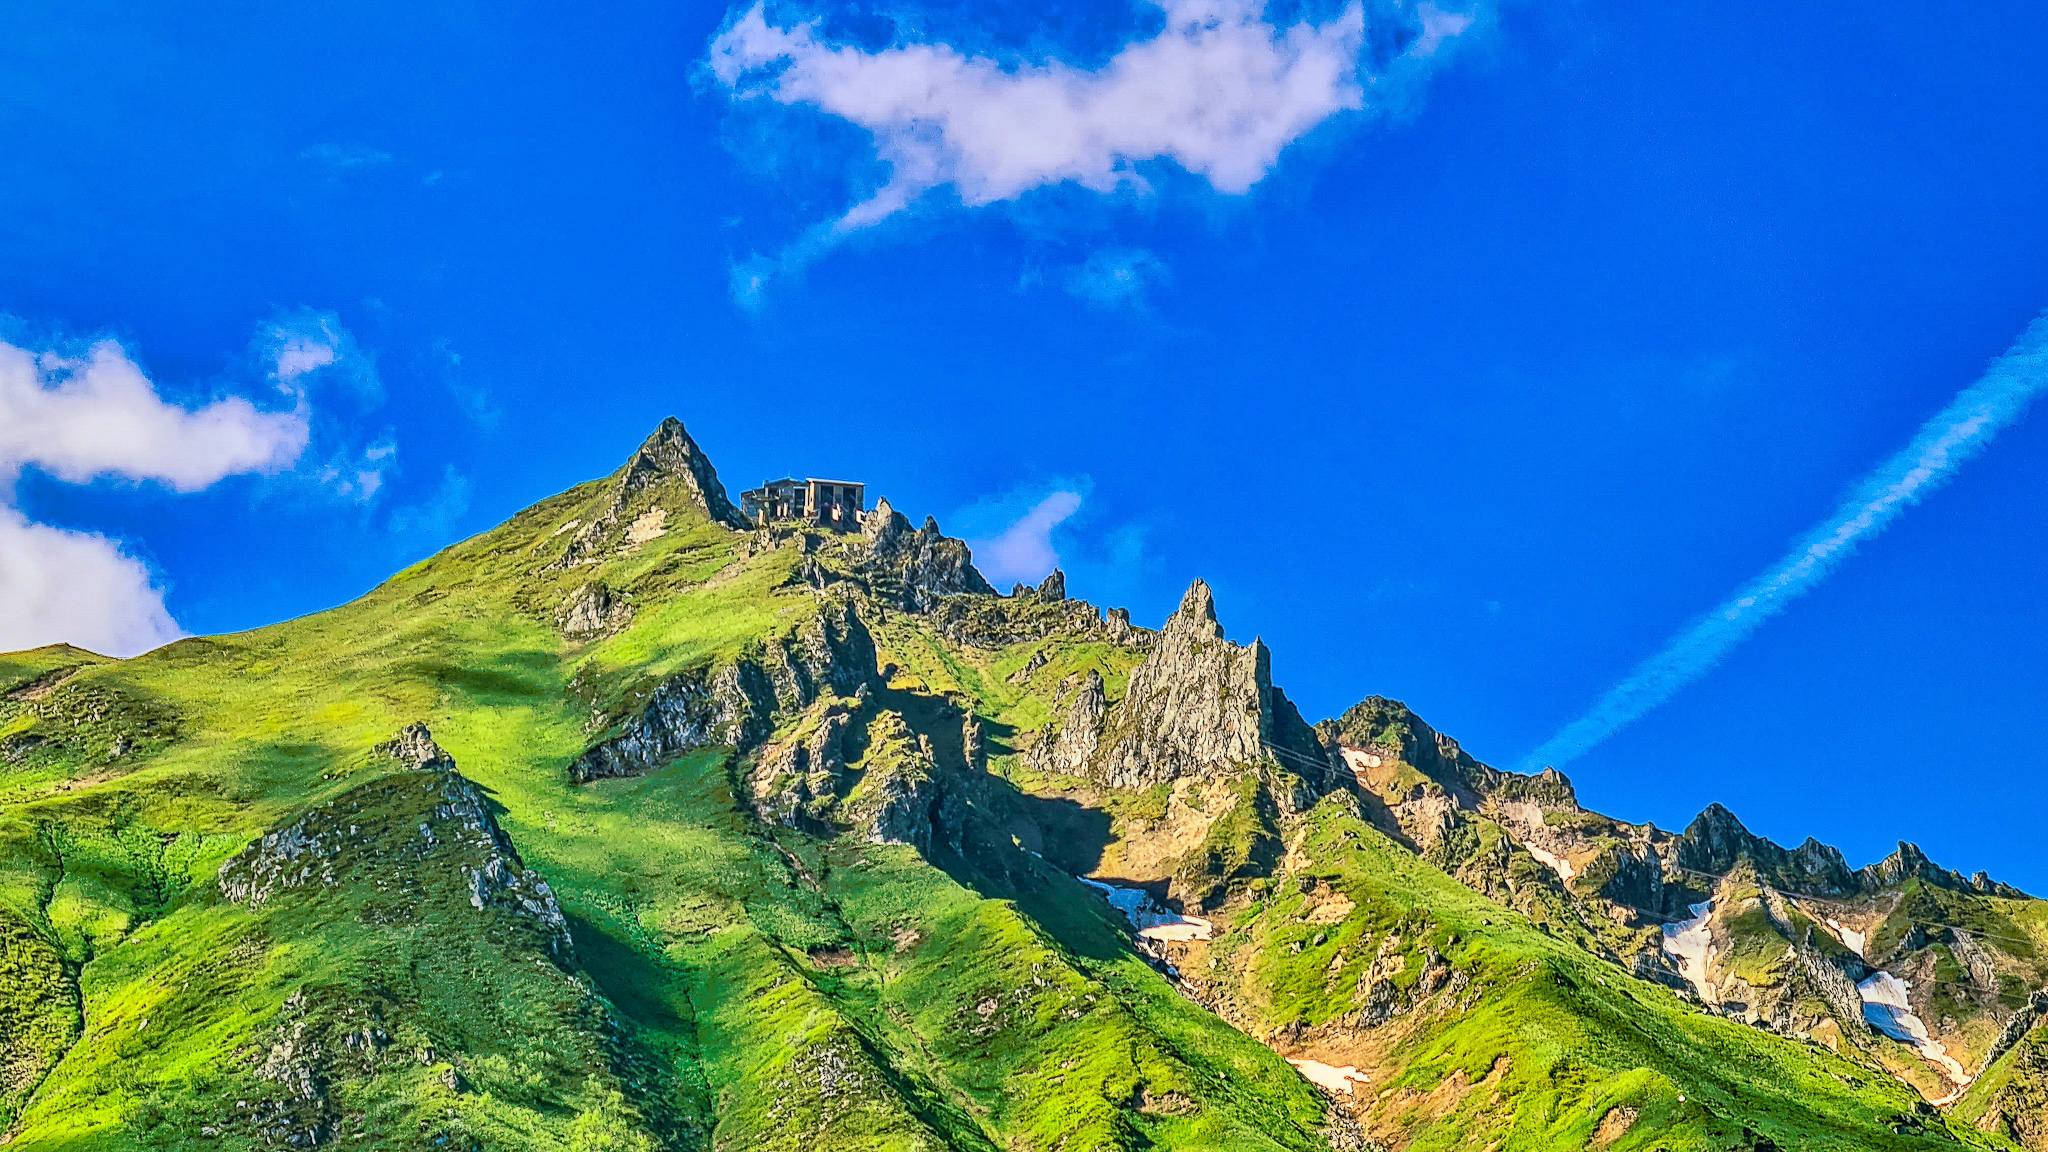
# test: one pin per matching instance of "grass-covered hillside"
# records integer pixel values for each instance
(629, 825)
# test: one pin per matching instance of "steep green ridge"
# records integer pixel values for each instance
(730, 838)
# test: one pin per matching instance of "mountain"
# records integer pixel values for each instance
(632, 825)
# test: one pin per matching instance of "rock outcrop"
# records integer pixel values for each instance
(1053, 588)
(593, 611)
(898, 797)
(913, 568)
(1202, 706)
(1117, 622)
(668, 473)
(432, 833)
(415, 748)
(736, 703)
(796, 781)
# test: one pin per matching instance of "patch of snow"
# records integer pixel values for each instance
(1692, 943)
(1558, 864)
(1152, 920)
(1854, 939)
(1330, 1079)
(1886, 1006)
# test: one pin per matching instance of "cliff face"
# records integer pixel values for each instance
(1201, 706)
(737, 703)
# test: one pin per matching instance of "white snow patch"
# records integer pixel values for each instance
(1152, 920)
(1693, 945)
(1558, 864)
(1886, 1006)
(1854, 939)
(1329, 1078)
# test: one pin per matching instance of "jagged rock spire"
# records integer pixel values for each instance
(1202, 706)
(1053, 588)
(915, 569)
(670, 454)
(1196, 615)
(668, 473)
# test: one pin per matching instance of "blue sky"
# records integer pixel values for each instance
(1472, 386)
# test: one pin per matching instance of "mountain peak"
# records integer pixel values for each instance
(1716, 841)
(670, 454)
(1197, 612)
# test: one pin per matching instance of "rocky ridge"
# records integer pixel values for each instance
(397, 833)
(737, 703)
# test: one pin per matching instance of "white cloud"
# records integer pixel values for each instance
(1024, 550)
(1218, 91)
(97, 414)
(80, 415)
(58, 586)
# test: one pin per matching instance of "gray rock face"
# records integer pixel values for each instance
(796, 782)
(730, 704)
(414, 747)
(1715, 840)
(2023, 1021)
(1202, 706)
(429, 834)
(1066, 747)
(736, 703)
(1053, 588)
(668, 469)
(898, 798)
(902, 811)
(1836, 986)
(914, 568)
(1117, 621)
(593, 611)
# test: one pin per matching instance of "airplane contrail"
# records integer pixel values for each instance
(1970, 422)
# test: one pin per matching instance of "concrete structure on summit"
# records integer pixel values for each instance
(835, 504)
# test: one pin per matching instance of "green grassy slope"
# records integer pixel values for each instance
(375, 967)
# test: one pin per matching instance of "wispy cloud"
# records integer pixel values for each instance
(1944, 443)
(1117, 278)
(1024, 549)
(87, 412)
(1219, 91)
(309, 352)
(435, 517)
(305, 341)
